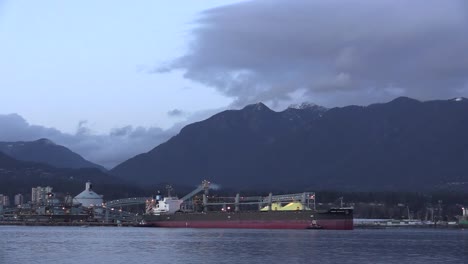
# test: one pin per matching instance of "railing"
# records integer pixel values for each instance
(126, 202)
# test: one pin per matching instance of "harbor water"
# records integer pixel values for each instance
(25, 244)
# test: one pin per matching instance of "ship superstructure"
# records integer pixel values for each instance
(463, 219)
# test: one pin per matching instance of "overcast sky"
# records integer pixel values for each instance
(111, 79)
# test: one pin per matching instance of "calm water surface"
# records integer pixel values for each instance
(159, 245)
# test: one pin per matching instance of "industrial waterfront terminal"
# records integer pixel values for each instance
(285, 211)
(46, 208)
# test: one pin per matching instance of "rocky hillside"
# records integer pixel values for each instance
(404, 144)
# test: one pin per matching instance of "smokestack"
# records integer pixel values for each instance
(89, 186)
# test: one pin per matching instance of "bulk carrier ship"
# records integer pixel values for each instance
(288, 211)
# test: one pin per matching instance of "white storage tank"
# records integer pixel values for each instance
(88, 198)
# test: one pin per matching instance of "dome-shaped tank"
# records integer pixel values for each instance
(88, 198)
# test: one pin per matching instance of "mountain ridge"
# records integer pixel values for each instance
(385, 146)
(46, 151)
(18, 176)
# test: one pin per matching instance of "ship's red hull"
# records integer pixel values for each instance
(324, 224)
(337, 220)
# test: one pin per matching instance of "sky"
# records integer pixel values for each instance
(111, 79)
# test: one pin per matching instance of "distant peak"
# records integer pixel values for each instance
(257, 107)
(459, 99)
(260, 106)
(404, 99)
(306, 105)
(45, 141)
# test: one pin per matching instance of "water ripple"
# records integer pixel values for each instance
(158, 245)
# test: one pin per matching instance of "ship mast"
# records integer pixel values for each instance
(206, 187)
(169, 190)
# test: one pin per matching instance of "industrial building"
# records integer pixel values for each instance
(88, 198)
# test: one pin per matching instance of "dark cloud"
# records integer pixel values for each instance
(121, 131)
(82, 129)
(175, 113)
(13, 127)
(332, 52)
(105, 149)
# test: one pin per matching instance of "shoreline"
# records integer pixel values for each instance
(99, 224)
(75, 224)
(409, 227)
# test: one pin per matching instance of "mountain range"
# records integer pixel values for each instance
(20, 176)
(404, 144)
(47, 152)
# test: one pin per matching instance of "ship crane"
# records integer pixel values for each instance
(204, 186)
(303, 199)
(290, 211)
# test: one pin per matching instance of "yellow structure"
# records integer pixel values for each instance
(293, 206)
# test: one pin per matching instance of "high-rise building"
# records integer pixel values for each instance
(35, 194)
(5, 200)
(19, 199)
(1, 199)
(39, 194)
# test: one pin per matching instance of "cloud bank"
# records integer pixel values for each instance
(175, 113)
(108, 149)
(331, 52)
(104, 149)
